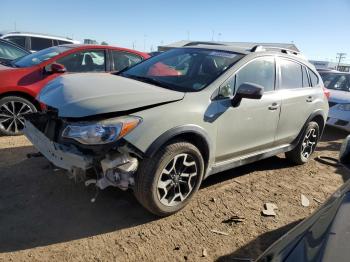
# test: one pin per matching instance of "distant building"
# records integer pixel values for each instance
(330, 65)
(90, 42)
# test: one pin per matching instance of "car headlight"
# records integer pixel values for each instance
(343, 107)
(103, 132)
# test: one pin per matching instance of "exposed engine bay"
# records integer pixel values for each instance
(114, 166)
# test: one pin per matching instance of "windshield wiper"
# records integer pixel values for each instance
(148, 80)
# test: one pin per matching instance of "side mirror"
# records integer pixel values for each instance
(55, 68)
(344, 155)
(247, 90)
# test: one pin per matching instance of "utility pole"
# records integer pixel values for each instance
(340, 57)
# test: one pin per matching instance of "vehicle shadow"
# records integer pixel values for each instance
(39, 207)
(257, 246)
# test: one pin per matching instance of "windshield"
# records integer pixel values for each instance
(183, 69)
(336, 81)
(41, 56)
(10, 52)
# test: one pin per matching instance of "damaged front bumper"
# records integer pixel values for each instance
(113, 169)
(60, 155)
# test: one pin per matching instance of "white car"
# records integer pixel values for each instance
(338, 84)
(36, 42)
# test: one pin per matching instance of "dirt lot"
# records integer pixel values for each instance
(44, 216)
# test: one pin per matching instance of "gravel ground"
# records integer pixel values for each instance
(44, 216)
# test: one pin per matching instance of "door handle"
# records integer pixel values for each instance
(274, 106)
(309, 99)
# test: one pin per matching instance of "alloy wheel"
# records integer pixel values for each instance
(309, 143)
(11, 116)
(177, 180)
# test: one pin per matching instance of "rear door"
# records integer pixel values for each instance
(298, 98)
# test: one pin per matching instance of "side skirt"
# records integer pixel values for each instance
(239, 161)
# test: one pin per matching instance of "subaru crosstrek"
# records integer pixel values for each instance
(164, 125)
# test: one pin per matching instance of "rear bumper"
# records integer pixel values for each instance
(60, 155)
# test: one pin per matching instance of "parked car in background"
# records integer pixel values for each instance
(338, 84)
(10, 51)
(324, 236)
(35, 42)
(165, 124)
(22, 79)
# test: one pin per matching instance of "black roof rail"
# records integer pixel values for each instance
(201, 43)
(259, 48)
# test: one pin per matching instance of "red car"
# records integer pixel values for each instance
(22, 79)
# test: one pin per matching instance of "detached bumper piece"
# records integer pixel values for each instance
(60, 155)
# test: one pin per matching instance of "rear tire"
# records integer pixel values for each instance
(12, 110)
(165, 183)
(306, 146)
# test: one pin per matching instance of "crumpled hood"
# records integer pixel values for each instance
(339, 96)
(87, 94)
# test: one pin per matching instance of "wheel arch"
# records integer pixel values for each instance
(318, 117)
(190, 133)
(24, 95)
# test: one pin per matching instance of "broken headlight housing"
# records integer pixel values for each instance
(102, 132)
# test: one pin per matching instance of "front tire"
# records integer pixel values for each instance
(165, 183)
(306, 146)
(12, 110)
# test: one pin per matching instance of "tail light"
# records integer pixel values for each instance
(326, 92)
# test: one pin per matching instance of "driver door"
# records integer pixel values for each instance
(251, 126)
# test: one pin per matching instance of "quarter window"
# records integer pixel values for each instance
(122, 60)
(291, 74)
(86, 61)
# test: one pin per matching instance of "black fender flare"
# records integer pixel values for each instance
(181, 130)
(316, 113)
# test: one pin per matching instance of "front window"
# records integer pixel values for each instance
(336, 81)
(41, 56)
(85, 61)
(19, 40)
(183, 69)
(260, 71)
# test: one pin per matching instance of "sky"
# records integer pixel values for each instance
(319, 28)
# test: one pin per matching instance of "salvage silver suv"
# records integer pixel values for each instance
(164, 125)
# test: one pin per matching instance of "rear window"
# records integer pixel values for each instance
(291, 74)
(305, 78)
(38, 43)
